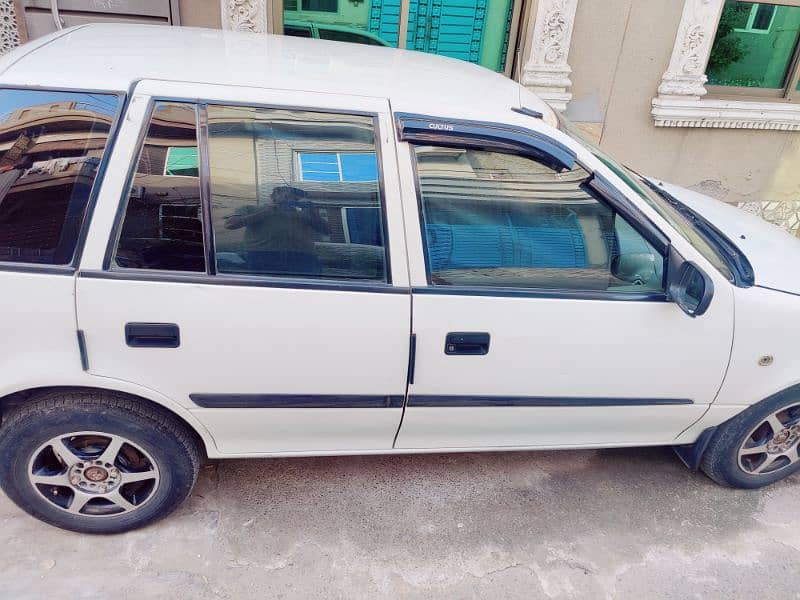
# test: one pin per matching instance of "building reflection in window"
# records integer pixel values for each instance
(51, 145)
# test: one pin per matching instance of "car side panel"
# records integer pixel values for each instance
(767, 327)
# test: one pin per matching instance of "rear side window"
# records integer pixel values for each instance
(163, 228)
(290, 194)
(295, 194)
(51, 146)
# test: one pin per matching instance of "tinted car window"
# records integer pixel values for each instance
(51, 145)
(347, 36)
(163, 228)
(501, 220)
(295, 31)
(295, 193)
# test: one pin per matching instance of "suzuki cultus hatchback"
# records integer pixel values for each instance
(225, 245)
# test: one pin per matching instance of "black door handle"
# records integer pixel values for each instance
(152, 335)
(475, 343)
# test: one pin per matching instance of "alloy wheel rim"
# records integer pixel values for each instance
(93, 474)
(772, 446)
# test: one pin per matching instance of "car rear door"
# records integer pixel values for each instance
(539, 309)
(254, 271)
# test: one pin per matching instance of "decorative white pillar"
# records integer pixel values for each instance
(245, 15)
(546, 70)
(686, 75)
(9, 26)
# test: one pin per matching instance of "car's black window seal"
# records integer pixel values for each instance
(83, 231)
(201, 122)
(597, 186)
(735, 259)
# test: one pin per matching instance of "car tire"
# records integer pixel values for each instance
(757, 447)
(96, 462)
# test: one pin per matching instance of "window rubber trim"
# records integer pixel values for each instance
(736, 260)
(620, 203)
(256, 281)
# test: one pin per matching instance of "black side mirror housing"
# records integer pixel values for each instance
(689, 286)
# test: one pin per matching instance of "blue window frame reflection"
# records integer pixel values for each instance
(338, 166)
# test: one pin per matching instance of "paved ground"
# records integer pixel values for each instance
(608, 524)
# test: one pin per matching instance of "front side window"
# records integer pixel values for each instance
(51, 145)
(755, 47)
(162, 228)
(500, 220)
(295, 193)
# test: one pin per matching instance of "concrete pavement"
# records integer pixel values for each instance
(575, 524)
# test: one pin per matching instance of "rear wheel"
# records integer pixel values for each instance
(96, 463)
(759, 446)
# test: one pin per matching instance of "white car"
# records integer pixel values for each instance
(225, 245)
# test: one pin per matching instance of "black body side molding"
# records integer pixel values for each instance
(295, 401)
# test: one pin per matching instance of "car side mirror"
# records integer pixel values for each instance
(691, 289)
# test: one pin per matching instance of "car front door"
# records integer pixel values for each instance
(255, 271)
(539, 307)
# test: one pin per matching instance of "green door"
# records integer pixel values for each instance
(472, 30)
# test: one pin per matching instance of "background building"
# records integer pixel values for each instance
(704, 93)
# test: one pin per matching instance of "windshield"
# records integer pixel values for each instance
(667, 207)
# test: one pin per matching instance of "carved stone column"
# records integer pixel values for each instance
(546, 71)
(245, 15)
(9, 26)
(686, 75)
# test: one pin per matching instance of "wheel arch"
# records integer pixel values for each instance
(692, 454)
(197, 430)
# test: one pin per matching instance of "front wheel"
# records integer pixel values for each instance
(759, 446)
(95, 462)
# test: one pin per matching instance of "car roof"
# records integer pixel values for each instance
(115, 56)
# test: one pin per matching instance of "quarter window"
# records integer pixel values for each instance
(51, 145)
(295, 193)
(162, 228)
(499, 220)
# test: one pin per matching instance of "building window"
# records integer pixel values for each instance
(760, 19)
(330, 6)
(337, 166)
(754, 49)
(734, 65)
(181, 161)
